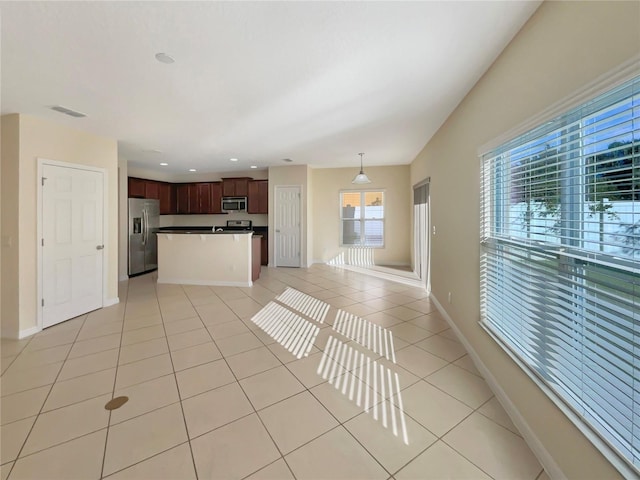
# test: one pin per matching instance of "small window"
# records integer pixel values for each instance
(362, 219)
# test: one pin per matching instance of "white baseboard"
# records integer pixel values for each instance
(183, 281)
(542, 454)
(384, 273)
(27, 332)
(107, 302)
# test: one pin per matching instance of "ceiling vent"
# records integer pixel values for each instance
(68, 111)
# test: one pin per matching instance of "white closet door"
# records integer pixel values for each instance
(72, 242)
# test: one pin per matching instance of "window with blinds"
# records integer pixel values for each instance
(362, 219)
(560, 260)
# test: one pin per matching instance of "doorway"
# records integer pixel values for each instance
(421, 243)
(287, 226)
(70, 241)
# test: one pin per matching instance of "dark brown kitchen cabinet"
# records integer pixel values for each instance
(235, 187)
(152, 189)
(142, 188)
(203, 198)
(137, 187)
(182, 198)
(264, 247)
(167, 198)
(258, 198)
(198, 198)
(216, 197)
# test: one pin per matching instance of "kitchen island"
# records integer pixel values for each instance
(198, 257)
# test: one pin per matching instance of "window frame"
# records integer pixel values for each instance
(498, 240)
(362, 220)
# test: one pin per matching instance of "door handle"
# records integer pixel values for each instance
(99, 247)
(277, 231)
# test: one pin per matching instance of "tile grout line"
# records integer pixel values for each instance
(175, 379)
(115, 379)
(15, 461)
(293, 280)
(255, 412)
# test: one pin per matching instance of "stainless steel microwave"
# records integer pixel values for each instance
(234, 204)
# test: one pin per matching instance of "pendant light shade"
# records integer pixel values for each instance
(361, 178)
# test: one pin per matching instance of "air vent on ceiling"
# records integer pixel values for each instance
(68, 111)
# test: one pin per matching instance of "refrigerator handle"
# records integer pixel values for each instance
(144, 227)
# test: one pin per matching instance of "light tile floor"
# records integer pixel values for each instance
(212, 395)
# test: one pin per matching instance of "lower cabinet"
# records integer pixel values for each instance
(264, 246)
(255, 258)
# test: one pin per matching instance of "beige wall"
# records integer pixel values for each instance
(40, 138)
(327, 184)
(10, 246)
(564, 46)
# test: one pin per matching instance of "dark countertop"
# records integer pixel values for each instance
(179, 229)
(258, 231)
(201, 232)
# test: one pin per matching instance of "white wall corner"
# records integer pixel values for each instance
(542, 454)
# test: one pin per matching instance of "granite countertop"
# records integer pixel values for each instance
(202, 232)
(257, 231)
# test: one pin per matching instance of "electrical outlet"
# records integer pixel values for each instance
(434, 229)
(449, 297)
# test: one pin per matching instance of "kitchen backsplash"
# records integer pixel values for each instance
(261, 220)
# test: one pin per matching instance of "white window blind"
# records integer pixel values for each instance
(560, 259)
(362, 218)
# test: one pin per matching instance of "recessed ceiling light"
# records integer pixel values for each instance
(156, 151)
(233, 159)
(192, 169)
(164, 164)
(164, 58)
(254, 166)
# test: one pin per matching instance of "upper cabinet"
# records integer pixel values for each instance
(183, 196)
(258, 198)
(167, 194)
(235, 187)
(201, 197)
(216, 197)
(198, 198)
(142, 188)
(137, 187)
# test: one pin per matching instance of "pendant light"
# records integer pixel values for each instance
(361, 178)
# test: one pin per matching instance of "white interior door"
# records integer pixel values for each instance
(287, 222)
(72, 242)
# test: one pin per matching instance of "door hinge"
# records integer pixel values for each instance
(43, 179)
(42, 242)
(43, 302)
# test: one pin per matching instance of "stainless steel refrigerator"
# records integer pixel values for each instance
(144, 220)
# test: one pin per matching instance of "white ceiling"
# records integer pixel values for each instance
(316, 82)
